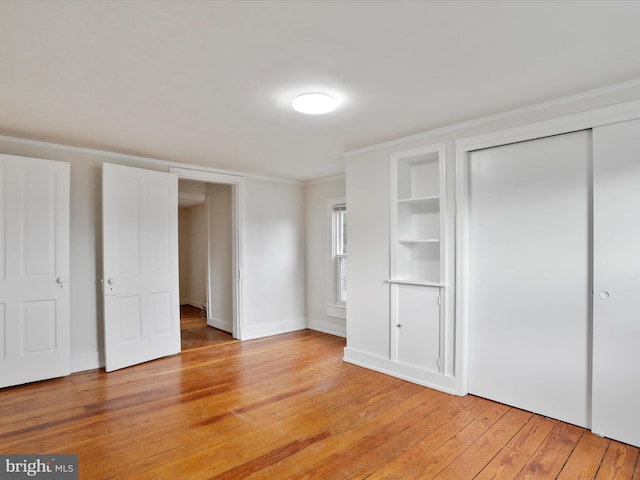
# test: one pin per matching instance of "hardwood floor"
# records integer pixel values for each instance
(287, 407)
(195, 333)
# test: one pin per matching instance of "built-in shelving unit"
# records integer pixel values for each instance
(417, 260)
(417, 217)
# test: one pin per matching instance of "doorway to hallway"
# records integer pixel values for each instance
(196, 334)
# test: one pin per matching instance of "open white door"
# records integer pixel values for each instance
(140, 255)
(34, 266)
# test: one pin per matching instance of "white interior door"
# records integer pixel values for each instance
(529, 275)
(616, 321)
(34, 270)
(140, 255)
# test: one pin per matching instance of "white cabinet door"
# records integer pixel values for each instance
(616, 323)
(140, 254)
(34, 270)
(416, 338)
(529, 275)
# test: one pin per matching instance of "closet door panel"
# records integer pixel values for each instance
(529, 275)
(616, 329)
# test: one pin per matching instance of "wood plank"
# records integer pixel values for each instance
(487, 446)
(619, 462)
(427, 455)
(517, 452)
(288, 407)
(550, 457)
(586, 458)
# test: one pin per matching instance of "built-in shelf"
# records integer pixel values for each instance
(434, 198)
(424, 283)
(417, 220)
(417, 281)
(419, 240)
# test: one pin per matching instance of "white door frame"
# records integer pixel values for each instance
(237, 235)
(556, 126)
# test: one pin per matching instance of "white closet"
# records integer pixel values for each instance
(550, 221)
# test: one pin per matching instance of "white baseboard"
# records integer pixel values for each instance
(191, 302)
(327, 327)
(226, 326)
(85, 361)
(259, 331)
(425, 378)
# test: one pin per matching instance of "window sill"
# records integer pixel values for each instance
(337, 311)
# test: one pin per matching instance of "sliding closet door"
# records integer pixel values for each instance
(529, 276)
(616, 329)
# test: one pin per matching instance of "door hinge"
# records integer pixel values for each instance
(438, 300)
(438, 362)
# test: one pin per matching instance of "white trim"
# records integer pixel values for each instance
(380, 364)
(136, 158)
(341, 176)
(338, 330)
(337, 311)
(332, 280)
(556, 126)
(237, 240)
(191, 302)
(220, 324)
(252, 332)
(589, 94)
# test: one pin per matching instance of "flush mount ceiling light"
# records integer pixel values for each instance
(314, 103)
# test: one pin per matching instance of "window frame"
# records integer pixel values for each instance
(336, 302)
(339, 253)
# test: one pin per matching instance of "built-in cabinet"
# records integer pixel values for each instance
(417, 268)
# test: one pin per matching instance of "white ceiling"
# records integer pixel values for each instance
(210, 82)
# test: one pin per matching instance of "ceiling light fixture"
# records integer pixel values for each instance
(314, 103)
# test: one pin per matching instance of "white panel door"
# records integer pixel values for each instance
(616, 321)
(34, 270)
(529, 275)
(417, 326)
(140, 255)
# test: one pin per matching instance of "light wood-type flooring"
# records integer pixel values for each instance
(287, 407)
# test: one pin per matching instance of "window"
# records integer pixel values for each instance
(339, 230)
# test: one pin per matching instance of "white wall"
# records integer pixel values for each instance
(192, 240)
(368, 198)
(319, 272)
(274, 247)
(274, 267)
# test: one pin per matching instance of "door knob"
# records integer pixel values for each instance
(111, 281)
(60, 280)
(604, 294)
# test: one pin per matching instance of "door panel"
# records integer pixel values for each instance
(418, 326)
(141, 299)
(616, 329)
(34, 269)
(529, 275)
